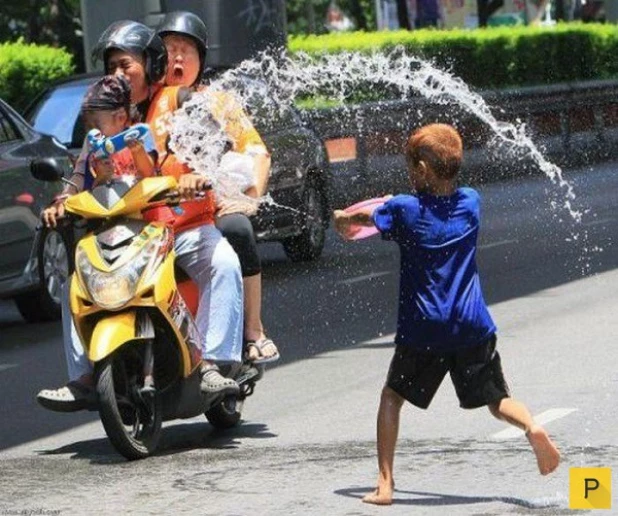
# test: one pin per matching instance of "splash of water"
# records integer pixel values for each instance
(275, 82)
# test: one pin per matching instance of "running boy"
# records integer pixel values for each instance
(443, 323)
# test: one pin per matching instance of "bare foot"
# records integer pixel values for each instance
(383, 495)
(547, 455)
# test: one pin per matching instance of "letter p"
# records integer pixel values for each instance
(587, 483)
(590, 488)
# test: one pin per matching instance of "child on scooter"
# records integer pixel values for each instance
(443, 324)
(107, 108)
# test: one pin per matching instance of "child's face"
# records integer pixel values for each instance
(183, 60)
(109, 123)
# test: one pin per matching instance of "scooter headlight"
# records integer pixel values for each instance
(114, 289)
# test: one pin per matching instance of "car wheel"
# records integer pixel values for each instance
(55, 262)
(309, 244)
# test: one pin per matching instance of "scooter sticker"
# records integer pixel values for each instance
(186, 326)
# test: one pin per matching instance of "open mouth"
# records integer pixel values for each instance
(178, 72)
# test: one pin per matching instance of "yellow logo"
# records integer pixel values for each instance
(590, 488)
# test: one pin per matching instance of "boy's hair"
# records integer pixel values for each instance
(439, 145)
(109, 93)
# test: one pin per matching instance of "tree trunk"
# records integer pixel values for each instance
(402, 14)
(486, 8)
(34, 21)
(310, 16)
(356, 10)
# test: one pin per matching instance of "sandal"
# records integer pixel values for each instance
(72, 397)
(213, 382)
(259, 345)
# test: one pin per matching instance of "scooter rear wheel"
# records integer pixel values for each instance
(131, 421)
(225, 414)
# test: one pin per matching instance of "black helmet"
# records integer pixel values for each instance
(188, 24)
(136, 38)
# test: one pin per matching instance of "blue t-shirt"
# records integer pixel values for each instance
(441, 306)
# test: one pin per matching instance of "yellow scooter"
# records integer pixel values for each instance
(135, 317)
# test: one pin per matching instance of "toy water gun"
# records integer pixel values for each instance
(103, 147)
(360, 232)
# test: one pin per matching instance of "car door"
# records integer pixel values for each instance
(17, 197)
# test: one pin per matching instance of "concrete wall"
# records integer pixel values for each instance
(237, 28)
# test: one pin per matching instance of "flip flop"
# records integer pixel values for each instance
(72, 397)
(260, 345)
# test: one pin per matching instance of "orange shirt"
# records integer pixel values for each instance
(190, 213)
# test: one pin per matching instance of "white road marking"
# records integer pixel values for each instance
(385, 339)
(597, 222)
(497, 244)
(365, 277)
(542, 418)
(4, 367)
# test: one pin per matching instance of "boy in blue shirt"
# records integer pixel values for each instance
(443, 322)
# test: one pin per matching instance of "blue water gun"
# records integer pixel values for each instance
(103, 147)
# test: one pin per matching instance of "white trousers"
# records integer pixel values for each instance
(209, 260)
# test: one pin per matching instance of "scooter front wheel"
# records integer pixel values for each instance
(132, 419)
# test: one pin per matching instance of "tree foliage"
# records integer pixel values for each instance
(44, 22)
(27, 69)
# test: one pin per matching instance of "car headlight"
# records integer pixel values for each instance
(112, 290)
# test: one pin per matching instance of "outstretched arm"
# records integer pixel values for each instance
(144, 162)
(345, 222)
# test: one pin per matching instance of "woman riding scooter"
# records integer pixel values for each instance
(135, 51)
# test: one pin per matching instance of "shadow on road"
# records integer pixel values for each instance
(175, 439)
(422, 498)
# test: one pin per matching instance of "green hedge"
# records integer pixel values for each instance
(495, 57)
(25, 70)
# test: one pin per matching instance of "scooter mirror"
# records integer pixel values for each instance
(46, 169)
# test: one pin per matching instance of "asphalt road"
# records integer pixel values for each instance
(307, 442)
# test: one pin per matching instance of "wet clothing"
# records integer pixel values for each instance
(443, 322)
(441, 306)
(192, 213)
(476, 372)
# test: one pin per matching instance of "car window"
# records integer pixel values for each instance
(7, 131)
(57, 114)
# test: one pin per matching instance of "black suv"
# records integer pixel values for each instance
(299, 176)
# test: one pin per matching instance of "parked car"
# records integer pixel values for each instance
(33, 264)
(299, 184)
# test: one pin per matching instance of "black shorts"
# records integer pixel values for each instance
(476, 373)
